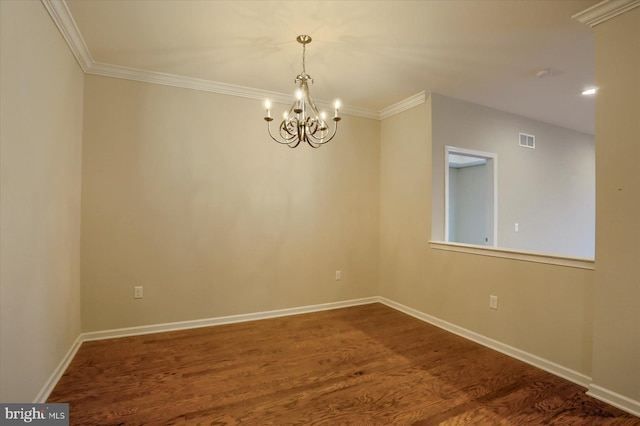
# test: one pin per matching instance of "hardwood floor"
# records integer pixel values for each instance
(368, 365)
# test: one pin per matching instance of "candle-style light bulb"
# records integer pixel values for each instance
(337, 105)
(267, 105)
(298, 106)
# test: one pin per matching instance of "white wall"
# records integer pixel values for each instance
(453, 205)
(549, 191)
(473, 204)
(40, 134)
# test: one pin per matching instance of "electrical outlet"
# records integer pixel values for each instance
(493, 302)
(137, 292)
(338, 275)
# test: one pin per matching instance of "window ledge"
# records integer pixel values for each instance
(526, 256)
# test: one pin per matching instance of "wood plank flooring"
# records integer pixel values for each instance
(367, 365)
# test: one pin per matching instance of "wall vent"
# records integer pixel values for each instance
(527, 141)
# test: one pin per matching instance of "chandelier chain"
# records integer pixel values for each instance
(304, 55)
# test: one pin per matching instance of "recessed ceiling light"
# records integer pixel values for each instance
(591, 91)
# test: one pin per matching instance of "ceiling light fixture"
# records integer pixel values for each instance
(547, 72)
(303, 122)
(591, 91)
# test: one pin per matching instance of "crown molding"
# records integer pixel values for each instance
(604, 11)
(403, 105)
(116, 71)
(63, 19)
(61, 16)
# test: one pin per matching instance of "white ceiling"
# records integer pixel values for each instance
(370, 54)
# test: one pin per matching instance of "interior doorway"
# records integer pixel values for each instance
(471, 197)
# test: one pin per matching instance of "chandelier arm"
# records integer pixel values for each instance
(312, 104)
(319, 122)
(314, 127)
(282, 142)
(322, 141)
(294, 143)
(290, 131)
(317, 128)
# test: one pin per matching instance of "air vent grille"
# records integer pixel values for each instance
(527, 141)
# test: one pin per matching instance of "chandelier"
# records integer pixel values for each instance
(303, 122)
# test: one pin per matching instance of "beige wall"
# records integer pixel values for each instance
(616, 362)
(185, 194)
(544, 309)
(40, 134)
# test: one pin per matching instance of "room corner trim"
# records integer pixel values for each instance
(604, 11)
(58, 372)
(61, 16)
(612, 398)
(403, 105)
(534, 360)
(231, 319)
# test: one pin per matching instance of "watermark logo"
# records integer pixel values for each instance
(36, 414)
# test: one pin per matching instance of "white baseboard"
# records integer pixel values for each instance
(620, 401)
(536, 361)
(58, 372)
(208, 322)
